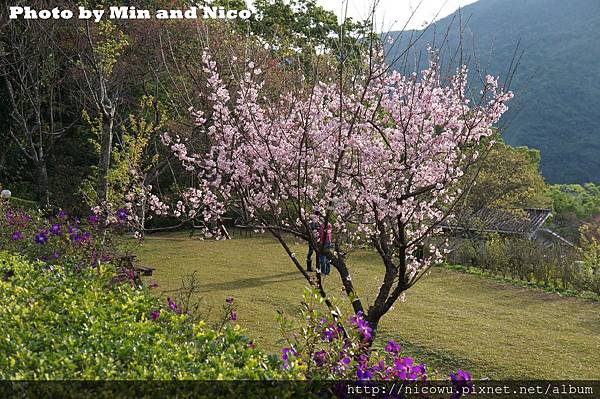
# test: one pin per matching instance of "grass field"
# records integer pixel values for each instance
(449, 320)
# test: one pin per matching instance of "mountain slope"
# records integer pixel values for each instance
(557, 83)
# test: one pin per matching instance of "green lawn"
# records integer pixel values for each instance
(449, 320)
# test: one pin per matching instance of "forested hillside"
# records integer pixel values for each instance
(557, 82)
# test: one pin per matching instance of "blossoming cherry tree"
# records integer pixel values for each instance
(379, 156)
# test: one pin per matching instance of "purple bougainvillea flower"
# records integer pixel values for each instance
(41, 238)
(155, 314)
(355, 318)
(363, 326)
(233, 316)
(80, 238)
(418, 372)
(403, 363)
(460, 381)
(460, 376)
(62, 214)
(364, 373)
(172, 304)
(229, 300)
(329, 333)
(320, 358)
(345, 361)
(122, 214)
(93, 219)
(420, 369)
(17, 235)
(55, 229)
(77, 238)
(285, 352)
(56, 255)
(363, 360)
(365, 331)
(392, 347)
(379, 366)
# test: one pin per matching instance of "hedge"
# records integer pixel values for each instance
(62, 324)
(22, 203)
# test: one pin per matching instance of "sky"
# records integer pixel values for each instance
(394, 14)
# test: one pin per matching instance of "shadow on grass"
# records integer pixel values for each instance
(250, 282)
(439, 363)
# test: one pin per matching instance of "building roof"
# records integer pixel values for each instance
(547, 238)
(524, 222)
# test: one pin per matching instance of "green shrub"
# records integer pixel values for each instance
(60, 324)
(24, 204)
(525, 260)
(590, 249)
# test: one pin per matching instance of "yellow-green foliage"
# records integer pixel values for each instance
(590, 248)
(581, 200)
(110, 46)
(58, 324)
(130, 154)
(88, 186)
(95, 126)
(507, 177)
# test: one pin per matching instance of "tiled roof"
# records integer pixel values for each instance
(518, 221)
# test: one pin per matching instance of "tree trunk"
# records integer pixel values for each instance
(347, 283)
(104, 162)
(143, 218)
(373, 323)
(3, 155)
(42, 188)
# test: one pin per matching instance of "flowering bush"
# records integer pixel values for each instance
(63, 325)
(59, 238)
(328, 346)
